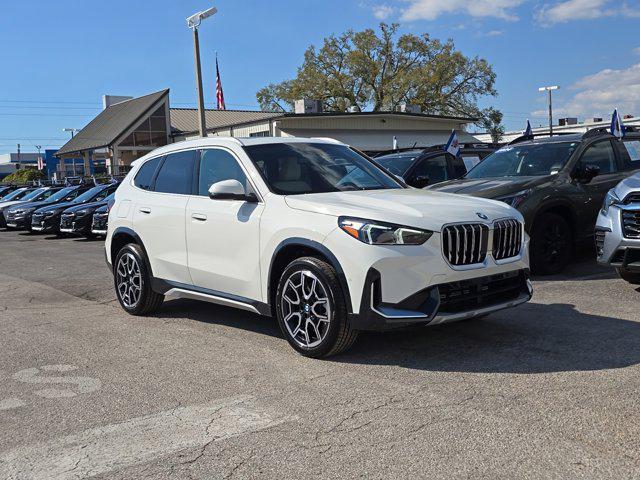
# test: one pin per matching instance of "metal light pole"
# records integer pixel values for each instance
(193, 22)
(549, 90)
(73, 161)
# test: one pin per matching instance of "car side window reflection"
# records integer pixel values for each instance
(217, 165)
(600, 155)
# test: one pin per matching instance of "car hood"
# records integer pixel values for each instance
(411, 207)
(11, 203)
(626, 186)
(58, 206)
(490, 187)
(85, 206)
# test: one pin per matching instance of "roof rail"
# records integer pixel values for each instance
(526, 138)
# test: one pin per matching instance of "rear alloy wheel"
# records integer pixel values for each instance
(311, 309)
(632, 277)
(133, 282)
(551, 244)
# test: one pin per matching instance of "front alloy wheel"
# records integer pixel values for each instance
(306, 309)
(311, 309)
(128, 280)
(132, 281)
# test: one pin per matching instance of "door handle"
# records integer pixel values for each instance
(145, 210)
(199, 216)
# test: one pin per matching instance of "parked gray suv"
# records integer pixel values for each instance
(618, 229)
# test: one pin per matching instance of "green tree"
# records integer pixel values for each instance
(379, 70)
(24, 175)
(492, 122)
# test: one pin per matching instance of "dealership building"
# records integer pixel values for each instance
(128, 128)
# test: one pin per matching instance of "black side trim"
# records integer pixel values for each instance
(305, 242)
(162, 286)
(138, 240)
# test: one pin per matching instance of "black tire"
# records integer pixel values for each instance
(338, 336)
(632, 277)
(147, 301)
(551, 244)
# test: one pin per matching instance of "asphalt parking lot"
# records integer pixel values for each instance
(547, 390)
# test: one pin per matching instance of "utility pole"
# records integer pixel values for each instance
(549, 90)
(193, 22)
(19, 162)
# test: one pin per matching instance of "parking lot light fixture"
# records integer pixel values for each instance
(193, 22)
(549, 89)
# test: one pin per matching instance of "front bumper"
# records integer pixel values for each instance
(75, 224)
(443, 303)
(613, 248)
(42, 223)
(18, 221)
(99, 224)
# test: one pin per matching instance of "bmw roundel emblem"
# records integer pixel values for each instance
(482, 216)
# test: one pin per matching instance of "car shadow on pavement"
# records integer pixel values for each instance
(215, 314)
(532, 338)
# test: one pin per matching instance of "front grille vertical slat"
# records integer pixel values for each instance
(465, 244)
(507, 239)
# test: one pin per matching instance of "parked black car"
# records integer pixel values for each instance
(47, 218)
(35, 195)
(17, 194)
(19, 216)
(558, 183)
(101, 220)
(78, 219)
(7, 189)
(419, 167)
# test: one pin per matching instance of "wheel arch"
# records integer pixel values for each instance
(123, 236)
(561, 209)
(292, 248)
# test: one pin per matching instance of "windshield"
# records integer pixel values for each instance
(60, 194)
(398, 163)
(527, 160)
(88, 195)
(16, 194)
(298, 168)
(34, 194)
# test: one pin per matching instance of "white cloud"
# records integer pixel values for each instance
(636, 50)
(600, 93)
(493, 33)
(569, 10)
(382, 12)
(432, 9)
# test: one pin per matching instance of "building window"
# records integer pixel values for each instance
(260, 134)
(152, 132)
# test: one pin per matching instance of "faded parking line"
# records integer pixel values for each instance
(135, 441)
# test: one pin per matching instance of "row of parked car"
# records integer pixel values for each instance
(62, 210)
(558, 183)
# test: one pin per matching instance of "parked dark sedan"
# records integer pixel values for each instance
(426, 166)
(19, 215)
(558, 183)
(35, 195)
(47, 218)
(101, 220)
(78, 220)
(6, 189)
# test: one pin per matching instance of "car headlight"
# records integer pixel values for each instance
(380, 233)
(49, 213)
(610, 199)
(514, 199)
(80, 213)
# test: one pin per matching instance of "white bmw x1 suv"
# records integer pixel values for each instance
(313, 232)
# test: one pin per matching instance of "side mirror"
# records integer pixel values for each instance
(420, 181)
(587, 173)
(230, 190)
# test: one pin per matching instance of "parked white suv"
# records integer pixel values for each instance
(312, 232)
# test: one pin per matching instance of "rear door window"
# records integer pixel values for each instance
(435, 168)
(630, 153)
(176, 173)
(601, 155)
(144, 177)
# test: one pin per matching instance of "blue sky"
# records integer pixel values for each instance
(58, 58)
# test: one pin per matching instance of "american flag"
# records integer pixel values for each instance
(219, 92)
